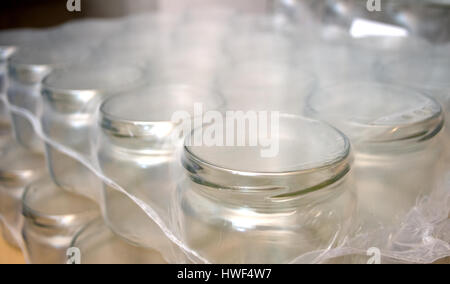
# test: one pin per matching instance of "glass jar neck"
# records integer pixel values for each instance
(266, 190)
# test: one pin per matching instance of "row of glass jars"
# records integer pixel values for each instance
(276, 209)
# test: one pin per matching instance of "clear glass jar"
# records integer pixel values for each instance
(428, 73)
(99, 245)
(52, 217)
(136, 150)
(18, 168)
(27, 68)
(10, 41)
(237, 207)
(71, 98)
(395, 134)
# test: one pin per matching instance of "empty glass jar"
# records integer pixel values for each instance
(395, 134)
(136, 150)
(240, 207)
(99, 245)
(27, 68)
(426, 73)
(71, 98)
(52, 218)
(18, 168)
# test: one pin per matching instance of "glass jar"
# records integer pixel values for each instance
(99, 245)
(52, 217)
(395, 134)
(10, 41)
(136, 150)
(71, 98)
(240, 207)
(428, 73)
(27, 68)
(18, 168)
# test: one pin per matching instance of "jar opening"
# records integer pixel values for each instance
(376, 113)
(309, 153)
(149, 111)
(47, 204)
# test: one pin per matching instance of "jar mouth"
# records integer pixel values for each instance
(28, 74)
(148, 112)
(378, 113)
(317, 171)
(31, 64)
(47, 205)
(21, 168)
(79, 85)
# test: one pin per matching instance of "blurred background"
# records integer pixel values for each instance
(44, 13)
(427, 18)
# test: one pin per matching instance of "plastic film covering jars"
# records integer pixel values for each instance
(268, 210)
(395, 133)
(52, 217)
(136, 150)
(99, 245)
(71, 98)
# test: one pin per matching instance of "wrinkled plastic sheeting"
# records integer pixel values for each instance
(423, 237)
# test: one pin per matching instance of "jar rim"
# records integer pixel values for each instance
(22, 166)
(42, 218)
(413, 123)
(80, 95)
(323, 172)
(126, 125)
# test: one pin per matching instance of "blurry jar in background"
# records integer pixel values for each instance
(71, 98)
(136, 150)
(194, 56)
(89, 32)
(381, 50)
(258, 46)
(52, 217)
(265, 85)
(334, 62)
(10, 41)
(145, 22)
(426, 73)
(27, 68)
(18, 168)
(141, 48)
(395, 134)
(238, 206)
(260, 38)
(99, 245)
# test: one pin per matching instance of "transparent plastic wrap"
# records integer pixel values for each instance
(201, 204)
